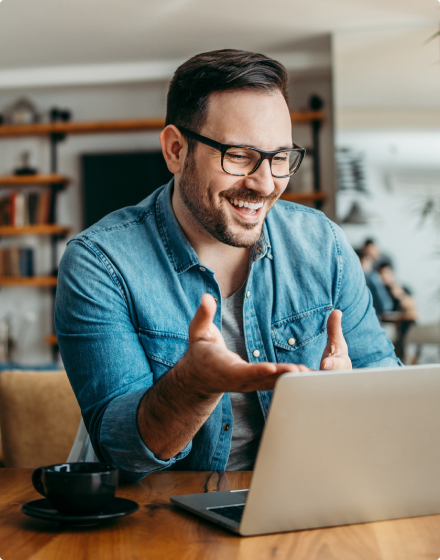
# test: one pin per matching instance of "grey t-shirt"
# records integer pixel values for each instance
(248, 418)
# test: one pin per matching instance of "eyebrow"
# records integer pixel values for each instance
(244, 145)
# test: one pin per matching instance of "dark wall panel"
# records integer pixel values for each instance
(112, 181)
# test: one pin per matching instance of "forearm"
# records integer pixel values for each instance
(173, 410)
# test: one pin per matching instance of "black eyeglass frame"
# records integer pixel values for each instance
(223, 148)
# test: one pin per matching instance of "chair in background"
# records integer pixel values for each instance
(39, 417)
(421, 335)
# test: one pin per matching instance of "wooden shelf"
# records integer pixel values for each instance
(51, 339)
(306, 117)
(98, 127)
(37, 281)
(303, 196)
(22, 180)
(93, 127)
(43, 229)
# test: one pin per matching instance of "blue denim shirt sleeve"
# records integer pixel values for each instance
(368, 345)
(105, 361)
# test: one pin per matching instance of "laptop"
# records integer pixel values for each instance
(339, 447)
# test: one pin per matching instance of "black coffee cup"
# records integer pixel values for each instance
(77, 488)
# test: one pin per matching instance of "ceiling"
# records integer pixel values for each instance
(373, 39)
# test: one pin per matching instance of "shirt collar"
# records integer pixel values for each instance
(179, 250)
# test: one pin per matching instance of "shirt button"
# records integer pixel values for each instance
(291, 341)
(248, 294)
(255, 353)
(226, 427)
(202, 268)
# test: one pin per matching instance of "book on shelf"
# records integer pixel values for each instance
(17, 262)
(21, 209)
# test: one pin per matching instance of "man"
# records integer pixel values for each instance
(199, 297)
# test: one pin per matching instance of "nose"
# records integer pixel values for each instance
(261, 181)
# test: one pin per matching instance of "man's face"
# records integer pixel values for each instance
(217, 200)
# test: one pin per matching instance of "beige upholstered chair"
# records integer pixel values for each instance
(39, 417)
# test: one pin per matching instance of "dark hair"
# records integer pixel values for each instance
(369, 241)
(385, 263)
(204, 74)
(360, 253)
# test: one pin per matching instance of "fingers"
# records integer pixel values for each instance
(292, 368)
(334, 330)
(201, 324)
(341, 361)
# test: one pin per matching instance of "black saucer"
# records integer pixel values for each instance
(43, 509)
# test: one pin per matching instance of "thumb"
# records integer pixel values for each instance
(334, 330)
(201, 326)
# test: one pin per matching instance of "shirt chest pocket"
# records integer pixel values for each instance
(301, 338)
(163, 350)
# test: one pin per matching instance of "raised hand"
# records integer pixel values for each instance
(218, 369)
(335, 354)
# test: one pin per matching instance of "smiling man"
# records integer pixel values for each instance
(176, 317)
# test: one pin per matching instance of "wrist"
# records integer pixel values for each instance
(193, 378)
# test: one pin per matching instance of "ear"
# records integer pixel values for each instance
(174, 148)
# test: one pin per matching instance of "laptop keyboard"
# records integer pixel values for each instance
(231, 512)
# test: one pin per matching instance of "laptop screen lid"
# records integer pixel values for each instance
(347, 447)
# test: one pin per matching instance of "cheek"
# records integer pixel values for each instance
(281, 184)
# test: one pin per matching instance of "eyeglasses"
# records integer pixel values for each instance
(243, 161)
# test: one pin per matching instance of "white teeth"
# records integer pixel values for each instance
(240, 203)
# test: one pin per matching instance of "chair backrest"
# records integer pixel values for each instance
(39, 417)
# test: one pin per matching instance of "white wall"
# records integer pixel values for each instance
(395, 215)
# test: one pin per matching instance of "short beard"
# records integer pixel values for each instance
(199, 201)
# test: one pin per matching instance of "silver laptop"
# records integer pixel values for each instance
(338, 448)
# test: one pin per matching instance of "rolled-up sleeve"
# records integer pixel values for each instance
(104, 359)
(368, 344)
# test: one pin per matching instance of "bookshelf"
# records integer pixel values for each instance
(53, 183)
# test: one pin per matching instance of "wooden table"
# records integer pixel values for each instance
(160, 531)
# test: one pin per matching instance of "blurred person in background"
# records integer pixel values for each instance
(401, 296)
(382, 301)
(404, 306)
(371, 250)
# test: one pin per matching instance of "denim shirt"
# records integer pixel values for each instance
(129, 286)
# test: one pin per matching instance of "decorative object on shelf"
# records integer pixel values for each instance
(351, 170)
(316, 102)
(356, 216)
(63, 115)
(25, 168)
(22, 111)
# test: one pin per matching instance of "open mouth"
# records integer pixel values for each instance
(249, 211)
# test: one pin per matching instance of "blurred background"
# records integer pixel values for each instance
(82, 101)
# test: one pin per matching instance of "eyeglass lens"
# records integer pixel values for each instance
(241, 161)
